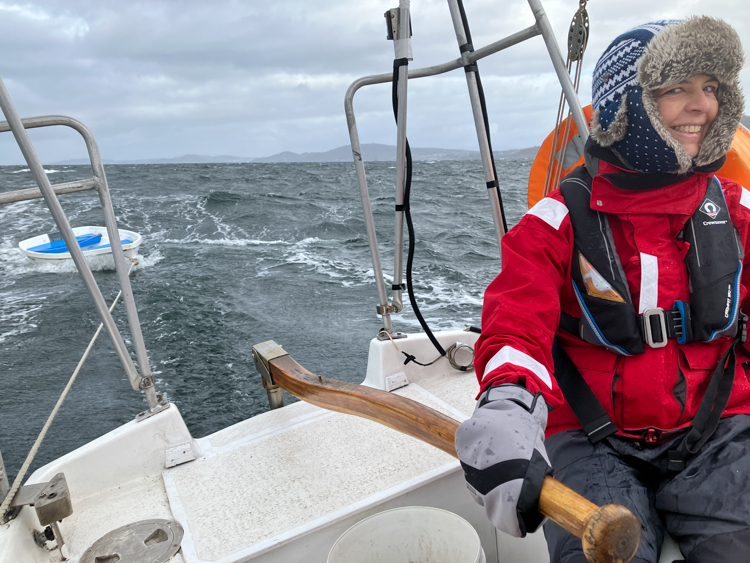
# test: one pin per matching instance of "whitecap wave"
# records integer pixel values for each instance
(17, 315)
(48, 171)
(226, 242)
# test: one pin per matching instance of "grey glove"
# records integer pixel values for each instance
(501, 448)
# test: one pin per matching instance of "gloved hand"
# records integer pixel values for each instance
(501, 448)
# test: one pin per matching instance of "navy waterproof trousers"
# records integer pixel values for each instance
(705, 508)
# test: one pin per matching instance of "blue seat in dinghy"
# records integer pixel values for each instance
(59, 246)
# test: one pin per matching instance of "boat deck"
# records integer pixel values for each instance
(283, 485)
(279, 487)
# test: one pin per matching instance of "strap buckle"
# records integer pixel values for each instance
(648, 327)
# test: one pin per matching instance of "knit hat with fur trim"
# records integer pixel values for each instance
(652, 56)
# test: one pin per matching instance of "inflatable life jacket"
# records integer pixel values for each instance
(608, 317)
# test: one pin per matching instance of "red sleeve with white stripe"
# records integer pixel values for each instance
(738, 199)
(521, 308)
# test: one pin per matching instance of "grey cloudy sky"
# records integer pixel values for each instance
(164, 78)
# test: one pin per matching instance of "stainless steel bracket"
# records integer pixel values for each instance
(388, 309)
(395, 336)
(161, 405)
(51, 501)
(263, 353)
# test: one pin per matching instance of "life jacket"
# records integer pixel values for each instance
(608, 316)
(609, 319)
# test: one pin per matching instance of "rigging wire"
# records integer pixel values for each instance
(35, 448)
(578, 37)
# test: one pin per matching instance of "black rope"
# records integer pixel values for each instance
(464, 21)
(409, 225)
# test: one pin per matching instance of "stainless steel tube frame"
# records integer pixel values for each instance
(403, 83)
(476, 109)
(34, 193)
(144, 381)
(359, 166)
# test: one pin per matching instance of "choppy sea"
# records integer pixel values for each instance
(232, 255)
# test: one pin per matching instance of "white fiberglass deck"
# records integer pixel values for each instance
(281, 486)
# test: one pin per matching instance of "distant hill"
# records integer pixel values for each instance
(374, 152)
(371, 152)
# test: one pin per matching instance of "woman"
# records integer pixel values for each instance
(618, 307)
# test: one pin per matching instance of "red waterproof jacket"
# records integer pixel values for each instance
(661, 388)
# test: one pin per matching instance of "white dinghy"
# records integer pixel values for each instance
(93, 241)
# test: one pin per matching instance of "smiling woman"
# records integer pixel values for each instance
(688, 109)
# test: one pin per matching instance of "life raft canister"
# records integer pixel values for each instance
(608, 316)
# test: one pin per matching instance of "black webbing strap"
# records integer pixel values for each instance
(398, 287)
(712, 406)
(484, 480)
(466, 48)
(588, 409)
(674, 323)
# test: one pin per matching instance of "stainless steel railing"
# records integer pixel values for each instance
(541, 27)
(140, 380)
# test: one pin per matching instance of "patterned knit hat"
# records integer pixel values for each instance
(652, 56)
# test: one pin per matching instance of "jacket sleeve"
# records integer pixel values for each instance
(521, 308)
(738, 199)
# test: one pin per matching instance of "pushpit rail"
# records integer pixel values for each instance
(139, 380)
(468, 57)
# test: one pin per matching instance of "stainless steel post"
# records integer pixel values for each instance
(123, 269)
(364, 194)
(402, 49)
(476, 108)
(37, 171)
(383, 308)
(558, 62)
(275, 397)
(4, 484)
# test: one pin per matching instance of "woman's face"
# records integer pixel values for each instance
(688, 109)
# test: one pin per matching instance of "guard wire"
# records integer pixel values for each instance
(35, 448)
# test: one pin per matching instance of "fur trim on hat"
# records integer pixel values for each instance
(675, 52)
(698, 45)
(617, 128)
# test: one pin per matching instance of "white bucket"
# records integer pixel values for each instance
(413, 534)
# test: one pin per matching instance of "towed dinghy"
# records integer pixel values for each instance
(93, 241)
